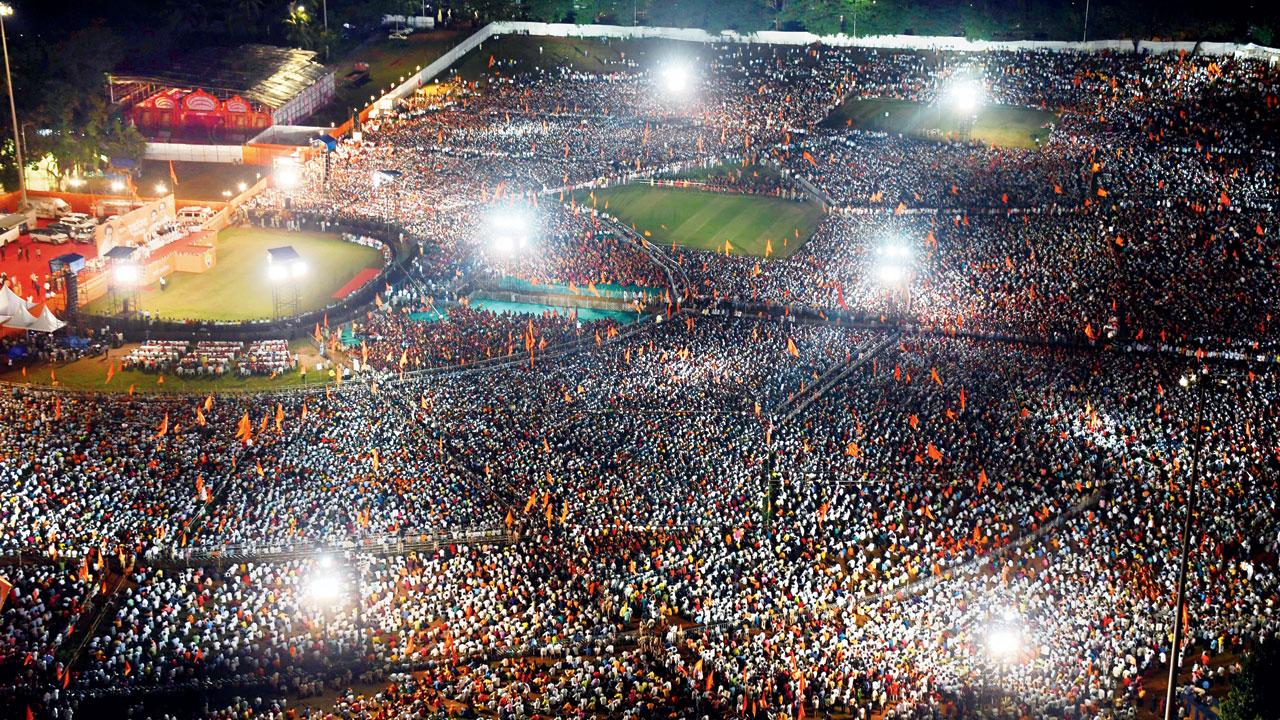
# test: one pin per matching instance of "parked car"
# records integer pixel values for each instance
(48, 235)
(77, 218)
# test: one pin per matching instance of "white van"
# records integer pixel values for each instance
(194, 214)
(46, 207)
(14, 225)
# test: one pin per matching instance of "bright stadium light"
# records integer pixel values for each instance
(325, 587)
(117, 186)
(676, 78)
(891, 274)
(161, 189)
(510, 229)
(894, 262)
(298, 269)
(126, 274)
(964, 95)
(1004, 643)
(286, 176)
(277, 272)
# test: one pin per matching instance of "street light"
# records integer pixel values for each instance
(5, 11)
(161, 189)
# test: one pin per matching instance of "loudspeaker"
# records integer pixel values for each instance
(72, 293)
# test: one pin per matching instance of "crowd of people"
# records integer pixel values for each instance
(790, 487)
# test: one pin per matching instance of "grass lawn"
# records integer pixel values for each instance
(705, 220)
(91, 374)
(389, 60)
(1001, 125)
(236, 288)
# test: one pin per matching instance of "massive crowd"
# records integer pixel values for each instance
(780, 489)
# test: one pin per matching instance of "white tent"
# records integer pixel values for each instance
(21, 318)
(10, 302)
(46, 322)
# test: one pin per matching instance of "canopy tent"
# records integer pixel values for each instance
(10, 303)
(46, 322)
(21, 319)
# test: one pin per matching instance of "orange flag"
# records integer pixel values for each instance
(982, 479)
(244, 430)
(164, 427)
(792, 349)
(933, 375)
(934, 453)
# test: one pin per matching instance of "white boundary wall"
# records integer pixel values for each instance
(772, 37)
(192, 152)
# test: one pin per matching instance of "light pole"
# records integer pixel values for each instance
(5, 11)
(1084, 33)
(1187, 380)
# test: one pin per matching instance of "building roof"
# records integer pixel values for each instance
(265, 74)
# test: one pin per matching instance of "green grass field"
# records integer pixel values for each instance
(237, 287)
(705, 220)
(91, 373)
(1001, 125)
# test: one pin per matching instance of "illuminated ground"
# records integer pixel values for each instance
(236, 288)
(705, 220)
(996, 124)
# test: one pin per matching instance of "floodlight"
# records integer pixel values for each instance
(297, 269)
(324, 587)
(277, 272)
(891, 274)
(964, 96)
(117, 186)
(126, 274)
(286, 177)
(1003, 643)
(161, 189)
(676, 78)
(509, 230)
(242, 186)
(76, 182)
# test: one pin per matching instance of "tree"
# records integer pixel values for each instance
(297, 27)
(242, 16)
(1254, 693)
